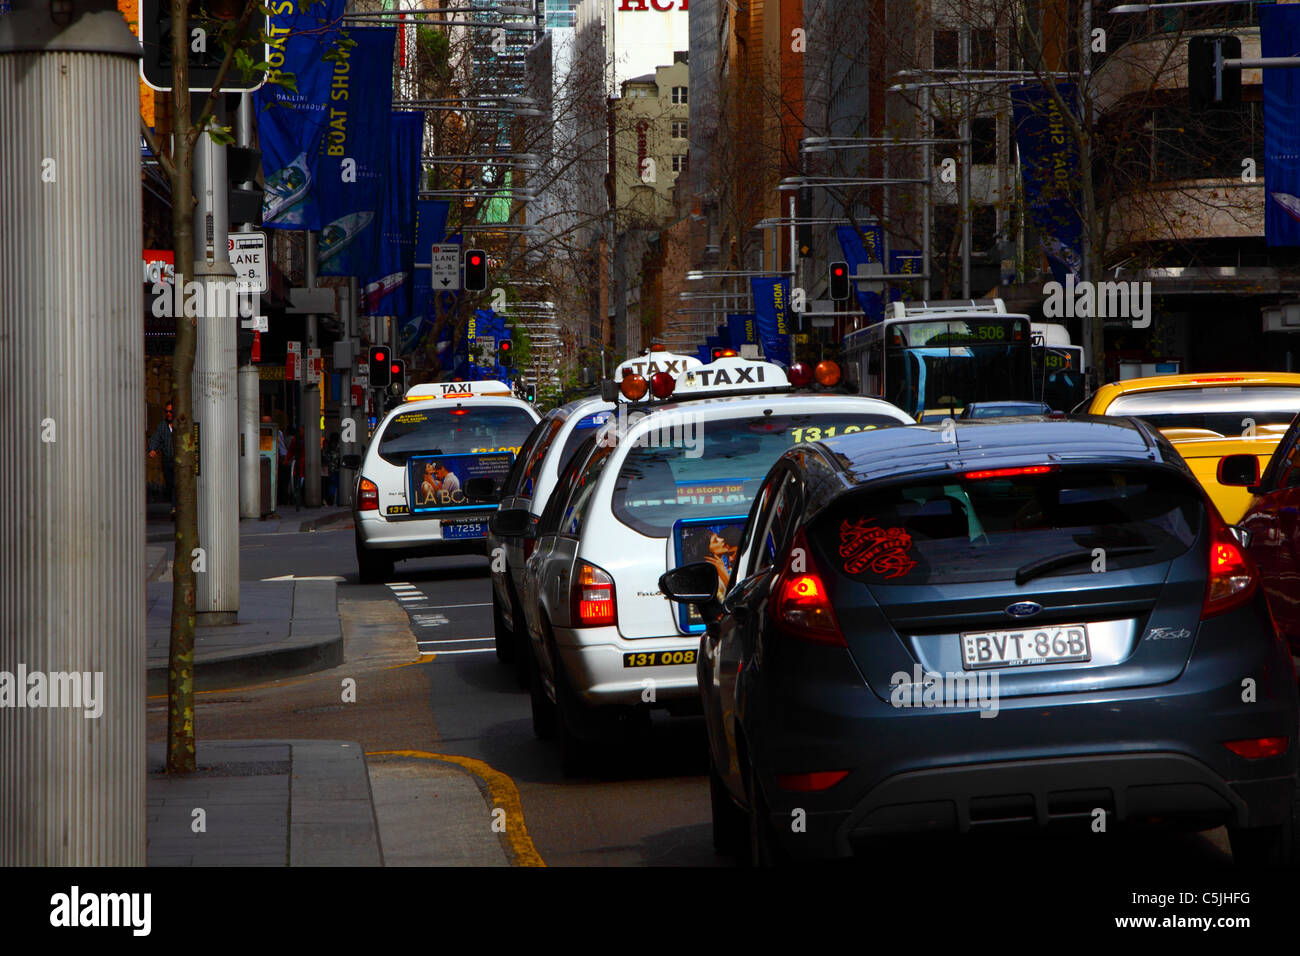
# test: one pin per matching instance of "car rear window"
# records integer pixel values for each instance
(721, 473)
(581, 432)
(463, 430)
(958, 530)
(1225, 411)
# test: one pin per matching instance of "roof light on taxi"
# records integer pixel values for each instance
(827, 373)
(800, 375)
(634, 387)
(662, 384)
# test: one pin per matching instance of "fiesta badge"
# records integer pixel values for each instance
(1023, 609)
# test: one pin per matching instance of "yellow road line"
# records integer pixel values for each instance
(504, 795)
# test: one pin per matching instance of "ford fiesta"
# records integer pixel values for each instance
(991, 624)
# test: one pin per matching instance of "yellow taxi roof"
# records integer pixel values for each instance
(1108, 393)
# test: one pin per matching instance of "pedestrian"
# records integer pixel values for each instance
(299, 452)
(332, 460)
(162, 445)
(285, 479)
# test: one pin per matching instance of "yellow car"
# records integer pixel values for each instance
(1225, 425)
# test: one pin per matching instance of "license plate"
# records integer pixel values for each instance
(658, 658)
(464, 529)
(1057, 644)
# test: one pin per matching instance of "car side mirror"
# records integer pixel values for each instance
(1238, 470)
(481, 488)
(350, 462)
(511, 523)
(693, 584)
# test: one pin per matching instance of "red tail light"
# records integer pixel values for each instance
(810, 782)
(799, 601)
(1256, 747)
(593, 597)
(368, 496)
(1233, 579)
(1009, 472)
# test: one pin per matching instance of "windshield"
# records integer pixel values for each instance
(967, 530)
(460, 430)
(1008, 411)
(934, 369)
(1214, 412)
(720, 474)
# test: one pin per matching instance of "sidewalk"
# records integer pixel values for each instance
(263, 803)
(160, 527)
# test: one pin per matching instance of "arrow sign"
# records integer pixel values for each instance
(444, 261)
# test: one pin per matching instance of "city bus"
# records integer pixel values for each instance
(1058, 367)
(932, 358)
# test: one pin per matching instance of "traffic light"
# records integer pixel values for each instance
(504, 348)
(397, 377)
(530, 393)
(1209, 86)
(210, 27)
(475, 270)
(380, 369)
(244, 202)
(839, 281)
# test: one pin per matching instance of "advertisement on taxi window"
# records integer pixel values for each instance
(714, 540)
(438, 481)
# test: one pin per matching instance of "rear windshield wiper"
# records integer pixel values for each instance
(1041, 566)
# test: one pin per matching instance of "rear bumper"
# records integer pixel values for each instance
(1113, 789)
(593, 661)
(416, 537)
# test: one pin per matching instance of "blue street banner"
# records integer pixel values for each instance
(1279, 31)
(354, 155)
(908, 261)
(703, 354)
(291, 125)
(430, 227)
(742, 329)
(859, 249)
(772, 309)
(724, 336)
(1049, 161)
(710, 343)
(388, 287)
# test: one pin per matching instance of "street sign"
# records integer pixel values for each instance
(445, 261)
(315, 365)
(256, 323)
(247, 252)
(293, 361)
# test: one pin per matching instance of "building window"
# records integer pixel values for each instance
(679, 163)
(984, 140)
(679, 129)
(679, 94)
(946, 49)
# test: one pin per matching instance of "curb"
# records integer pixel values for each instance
(319, 524)
(332, 819)
(315, 614)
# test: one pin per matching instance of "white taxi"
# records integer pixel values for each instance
(661, 484)
(433, 471)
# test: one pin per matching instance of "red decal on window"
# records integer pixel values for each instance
(869, 547)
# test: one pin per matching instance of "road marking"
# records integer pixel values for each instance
(439, 607)
(504, 795)
(430, 620)
(396, 585)
(459, 640)
(412, 597)
(476, 650)
(294, 577)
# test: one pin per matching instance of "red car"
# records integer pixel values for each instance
(1273, 520)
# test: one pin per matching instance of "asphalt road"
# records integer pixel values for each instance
(648, 806)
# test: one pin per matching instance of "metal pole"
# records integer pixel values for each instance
(964, 200)
(216, 410)
(929, 194)
(346, 475)
(72, 440)
(250, 386)
(311, 392)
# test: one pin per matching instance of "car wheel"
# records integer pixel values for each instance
(543, 709)
(504, 638)
(372, 568)
(523, 647)
(575, 751)
(1268, 846)
(730, 827)
(763, 848)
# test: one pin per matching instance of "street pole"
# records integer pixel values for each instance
(72, 440)
(216, 387)
(965, 168)
(351, 447)
(250, 386)
(311, 392)
(926, 207)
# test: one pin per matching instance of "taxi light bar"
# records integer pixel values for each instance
(593, 597)
(634, 387)
(1232, 579)
(1256, 747)
(478, 389)
(662, 384)
(827, 373)
(1009, 472)
(800, 375)
(810, 782)
(368, 496)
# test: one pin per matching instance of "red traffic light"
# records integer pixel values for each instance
(381, 357)
(838, 272)
(395, 368)
(475, 260)
(504, 346)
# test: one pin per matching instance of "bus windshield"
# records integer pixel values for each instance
(1061, 383)
(934, 369)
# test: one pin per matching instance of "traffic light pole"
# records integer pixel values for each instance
(216, 410)
(250, 403)
(72, 448)
(311, 406)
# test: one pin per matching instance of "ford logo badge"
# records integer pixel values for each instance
(1023, 609)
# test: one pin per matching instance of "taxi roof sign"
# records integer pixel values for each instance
(479, 389)
(731, 374)
(652, 362)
